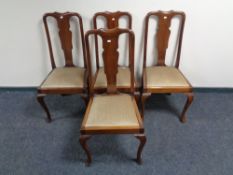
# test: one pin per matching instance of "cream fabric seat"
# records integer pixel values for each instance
(161, 76)
(65, 77)
(123, 78)
(112, 111)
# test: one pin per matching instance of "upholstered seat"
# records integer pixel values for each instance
(65, 77)
(161, 76)
(112, 111)
(123, 78)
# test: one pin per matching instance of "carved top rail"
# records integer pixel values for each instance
(112, 18)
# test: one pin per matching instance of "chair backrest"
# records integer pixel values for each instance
(65, 35)
(163, 34)
(112, 21)
(110, 38)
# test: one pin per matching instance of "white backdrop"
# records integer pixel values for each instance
(207, 53)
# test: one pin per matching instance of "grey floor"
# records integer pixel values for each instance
(202, 146)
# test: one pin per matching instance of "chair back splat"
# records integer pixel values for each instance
(110, 55)
(163, 35)
(112, 21)
(65, 35)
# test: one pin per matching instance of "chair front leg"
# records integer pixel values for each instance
(40, 99)
(83, 139)
(143, 100)
(183, 118)
(142, 139)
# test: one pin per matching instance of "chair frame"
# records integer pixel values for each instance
(65, 35)
(163, 34)
(110, 45)
(112, 21)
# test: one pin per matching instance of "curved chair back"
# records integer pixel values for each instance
(163, 34)
(65, 35)
(110, 39)
(112, 21)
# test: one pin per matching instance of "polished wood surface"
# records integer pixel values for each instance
(65, 36)
(163, 32)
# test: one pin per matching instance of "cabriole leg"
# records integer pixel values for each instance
(142, 139)
(40, 99)
(83, 139)
(183, 118)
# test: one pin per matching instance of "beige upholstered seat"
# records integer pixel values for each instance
(66, 77)
(123, 78)
(161, 76)
(112, 111)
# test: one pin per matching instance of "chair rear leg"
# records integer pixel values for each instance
(142, 139)
(85, 98)
(40, 99)
(183, 118)
(83, 139)
(143, 100)
(137, 98)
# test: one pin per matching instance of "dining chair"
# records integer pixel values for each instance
(163, 78)
(68, 79)
(112, 112)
